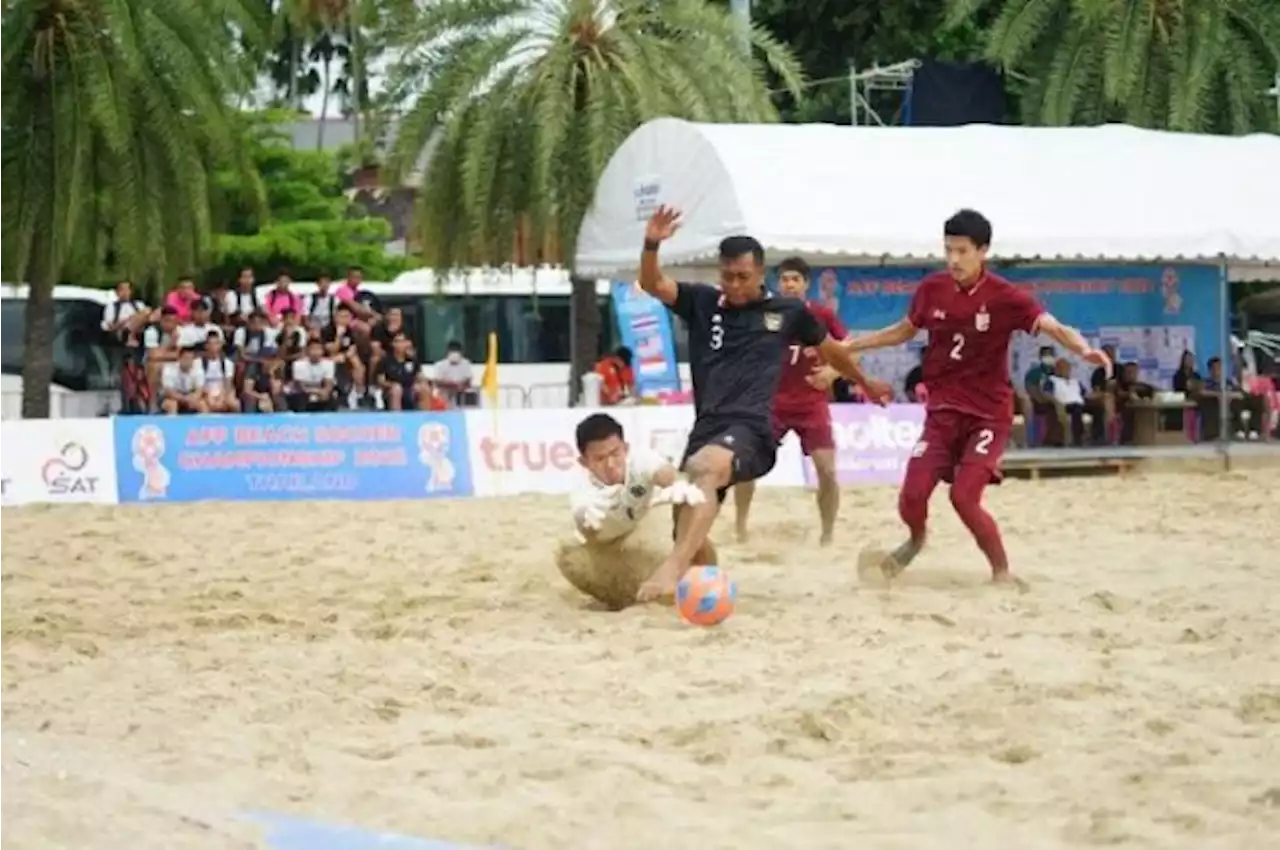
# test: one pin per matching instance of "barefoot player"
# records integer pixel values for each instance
(971, 315)
(803, 406)
(737, 335)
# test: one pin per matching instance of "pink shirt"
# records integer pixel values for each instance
(276, 302)
(181, 303)
(345, 292)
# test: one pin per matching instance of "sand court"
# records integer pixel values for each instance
(423, 668)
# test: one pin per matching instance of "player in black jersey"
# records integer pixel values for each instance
(737, 334)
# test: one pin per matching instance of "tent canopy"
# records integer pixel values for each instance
(856, 195)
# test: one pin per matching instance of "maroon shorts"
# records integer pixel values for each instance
(952, 439)
(812, 425)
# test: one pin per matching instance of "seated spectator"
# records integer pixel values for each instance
(320, 304)
(217, 299)
(1129, 388)
(385, 331)
(1186, 380)
(362, 304)
(160, 344)
(1068, 399)
(282, 298)
(291, 338)
(367, 395)
(429, 396)
(255, 345)
(312, 388)
(182, 298)
(1100, 402)
(243, 302)
(1246, 412)
(339, 341)
(219, 377)
(194, 333)
(453, 376)
(617, 381)
(123, 314)
(182, 385)
(263, 392)
(914, 379)
(1039, 390)
(398, 375)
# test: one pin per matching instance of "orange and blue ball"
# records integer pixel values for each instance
(706, 596)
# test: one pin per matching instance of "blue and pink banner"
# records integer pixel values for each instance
(644, 326)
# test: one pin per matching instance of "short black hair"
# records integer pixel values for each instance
(732, 247)
(1048, 349)
(597, 427)
(794, 264)
(313, 341)
(166, 310)
(342, 305)
(351, 269)
(1214, 359)
(453, 345)
(624, 354)
(970, 224)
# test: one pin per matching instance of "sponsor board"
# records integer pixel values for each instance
(873, 444)
(57, 461)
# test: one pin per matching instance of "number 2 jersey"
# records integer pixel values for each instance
(966, 361)
(795, 394)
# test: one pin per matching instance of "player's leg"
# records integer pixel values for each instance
(818, 443)
(713, 462)
(932, 459)
(745, 491)
(978, 467)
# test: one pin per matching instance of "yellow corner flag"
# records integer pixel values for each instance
(489, 383)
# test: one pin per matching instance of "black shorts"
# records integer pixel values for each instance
(754, 449)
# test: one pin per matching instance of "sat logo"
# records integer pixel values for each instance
(64, 474)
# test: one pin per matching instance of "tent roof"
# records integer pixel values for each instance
(849, 195)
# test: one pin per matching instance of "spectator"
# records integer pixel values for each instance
(320, 303)
(339, 341)
(282, 298)
(1100, 403)
(242, 303)
(1187, 380)
(617, 381)
(119, 316)
(361, 303)
(1247, 412)
(219, 377)
(453, 376)
(182, 298)
(1068, 398)
(429, 396)
(255, 342)
(217, 299)
(182, 385)
(1129, 388)
(1040, 392)
(386, 330)
(194, 333)
(397, 374)
(160, 344)
(262, 390)
(291, 342)
(914, 379)
(313, 387)
(370, 397)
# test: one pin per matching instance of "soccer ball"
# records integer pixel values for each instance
(706, 596)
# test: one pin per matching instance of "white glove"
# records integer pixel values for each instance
(591, 514)
(684, 493)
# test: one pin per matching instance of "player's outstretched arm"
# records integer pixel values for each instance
(662, 225)
(1071, 339)
(843, 361)
(898, 333)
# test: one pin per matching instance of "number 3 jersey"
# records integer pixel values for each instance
(624, 505)
(966, 362)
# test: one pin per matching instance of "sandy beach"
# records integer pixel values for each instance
(423, 668)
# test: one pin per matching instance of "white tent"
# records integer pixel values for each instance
(856, 195)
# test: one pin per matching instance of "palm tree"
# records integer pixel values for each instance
(1193, 65)
(522, 102)
(114, 115)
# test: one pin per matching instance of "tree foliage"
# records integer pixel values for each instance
(307, 224)
(1196, 65)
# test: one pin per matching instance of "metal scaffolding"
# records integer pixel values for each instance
(868, 89)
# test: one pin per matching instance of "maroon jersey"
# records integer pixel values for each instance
(966, 363)
(798, 361)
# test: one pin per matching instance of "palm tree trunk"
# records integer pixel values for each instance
(357, 74)
(584, 317)
(294, 47)
(324, 103)
(37, 336)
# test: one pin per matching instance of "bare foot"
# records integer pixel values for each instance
(741, 534)
(661, 584)
(1008, 579)
(876, 565)
(826, 538)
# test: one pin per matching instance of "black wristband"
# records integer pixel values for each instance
(651, 245)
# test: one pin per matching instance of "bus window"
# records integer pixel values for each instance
(80, 361)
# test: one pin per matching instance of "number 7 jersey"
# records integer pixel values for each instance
(966, 361)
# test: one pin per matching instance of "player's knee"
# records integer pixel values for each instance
(966, 493)
(709, 470)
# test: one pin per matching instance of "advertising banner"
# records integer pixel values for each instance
(57, 461)
(666, 429)
(873, 444)
(644, 326)
(287, 457)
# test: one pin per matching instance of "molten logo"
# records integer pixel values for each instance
(62, 474)
(877, 433)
